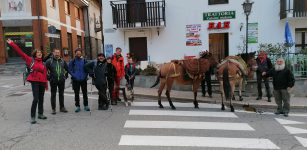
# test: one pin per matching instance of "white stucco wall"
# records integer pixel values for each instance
(53, 13)
(6, 14)
(170, 44)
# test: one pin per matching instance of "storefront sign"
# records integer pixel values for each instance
(28, 44)
(52, 35)
(219, 15)
(193, 35)
(252, 33)
(108, 50)
(219, 25)
(16, 5)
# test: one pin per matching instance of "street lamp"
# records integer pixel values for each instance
(247, 6)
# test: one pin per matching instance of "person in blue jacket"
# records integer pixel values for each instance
(79, 79)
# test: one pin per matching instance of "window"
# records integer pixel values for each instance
(67, 9)
(213, 2)
(77, 13)
(79, 39)
(52, 3)
(69, 42)
(300, 39)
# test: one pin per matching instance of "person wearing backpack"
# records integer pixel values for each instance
(283, 81)
(57, 74)
(37, 78)
(79, 79)
(98, 71)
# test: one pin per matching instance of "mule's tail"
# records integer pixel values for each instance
(157, 80)
(226, 83)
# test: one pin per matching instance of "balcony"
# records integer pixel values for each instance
(293, 9)
(136, 15)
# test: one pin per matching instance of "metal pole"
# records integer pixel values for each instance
(246, 40)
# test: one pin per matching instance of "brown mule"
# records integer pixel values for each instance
(184, 72)
(231, 72)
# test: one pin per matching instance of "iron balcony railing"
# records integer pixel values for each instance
(293, 8)
(138, 14)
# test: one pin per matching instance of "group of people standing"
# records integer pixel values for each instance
(106, 73)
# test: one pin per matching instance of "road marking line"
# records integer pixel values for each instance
(188, 125)
(182, 113)
(177, 104)
(293, 130)
(303, 141)
(298, 115)
(284, 121)
(218, 142)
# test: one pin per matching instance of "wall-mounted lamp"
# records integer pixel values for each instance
(241, 26)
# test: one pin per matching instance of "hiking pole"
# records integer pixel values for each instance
(91, 96)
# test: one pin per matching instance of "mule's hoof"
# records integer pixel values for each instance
(223, 108)
(232, 110)
(161, 106)
(196, 107)
(173, 107)
(241, 99)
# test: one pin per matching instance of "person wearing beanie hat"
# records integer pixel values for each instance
(79, 79)
(98, 71)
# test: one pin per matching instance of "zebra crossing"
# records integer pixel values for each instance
(144, 117)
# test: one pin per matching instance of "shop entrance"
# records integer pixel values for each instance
(219, 45)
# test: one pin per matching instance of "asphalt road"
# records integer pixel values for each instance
(142, 126)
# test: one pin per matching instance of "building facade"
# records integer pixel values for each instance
(42, 24)
(163, 30)
(93, 34)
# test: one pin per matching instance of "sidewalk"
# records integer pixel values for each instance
(187, 96)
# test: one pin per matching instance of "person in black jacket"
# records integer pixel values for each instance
(57, 74)
(264, 65)
(111, 76)
(98, 71)
(208, 80)
(283, 81)
(130, 71)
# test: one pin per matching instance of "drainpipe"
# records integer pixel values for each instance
(38, 9)
(102, 38)
(89, 32)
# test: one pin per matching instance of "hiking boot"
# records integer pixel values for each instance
(118, 99)
(105, 107)
(86, 108)
(41, 116)
(286, 114)
(77, 110)
(63, 109)
(203, 95)
(258, 98)
(113, 102)
(210, 96)
(33, 121)
(269, 100)
(278, 113)
(53, 112)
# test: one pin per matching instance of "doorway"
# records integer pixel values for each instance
(219, 45)
(138, 47)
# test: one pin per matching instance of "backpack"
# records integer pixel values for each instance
(27, 71)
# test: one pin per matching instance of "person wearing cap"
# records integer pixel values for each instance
(98, 71)
(79, 79)
(118, 62)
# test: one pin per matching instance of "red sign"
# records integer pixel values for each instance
(219, 25)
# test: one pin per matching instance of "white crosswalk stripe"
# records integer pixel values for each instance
(189, 105)
(184, 125)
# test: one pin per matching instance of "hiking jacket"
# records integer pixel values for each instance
(118, 62)
(98, 72)
(264, 66)
(281, 79)
(130, 71)
(76, 69)
(57, 70)
(39, 73)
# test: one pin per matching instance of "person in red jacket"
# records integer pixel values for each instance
(37, 78)
(118, 62)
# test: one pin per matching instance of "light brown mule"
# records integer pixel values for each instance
(184, 72)
(231, 72)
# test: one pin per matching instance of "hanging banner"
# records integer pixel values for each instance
(193, 35)
(253, 33)
(108, 50)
